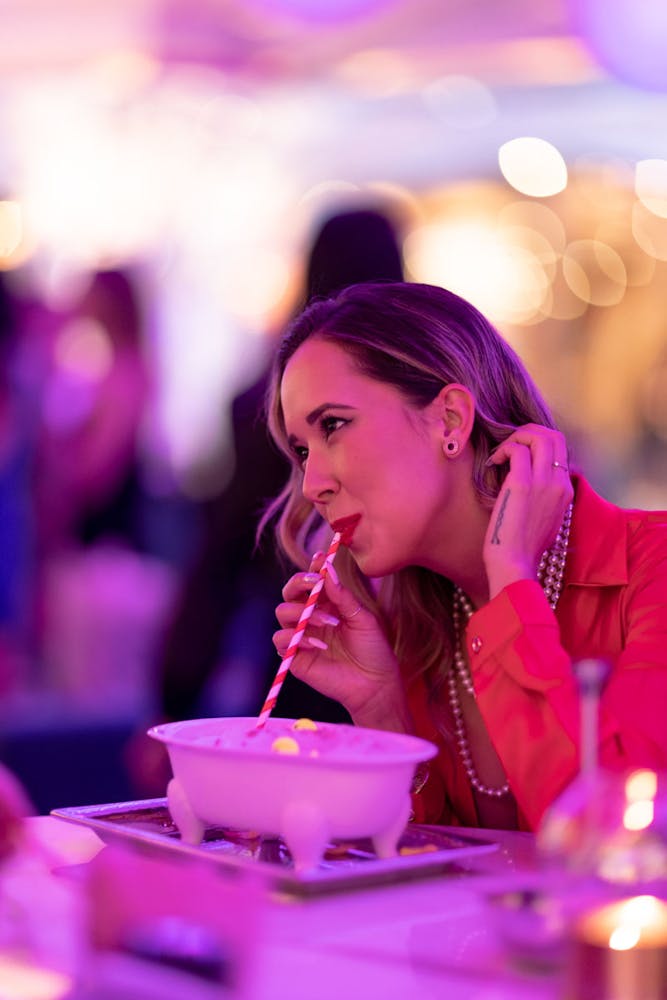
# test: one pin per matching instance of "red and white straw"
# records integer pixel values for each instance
(308, 609)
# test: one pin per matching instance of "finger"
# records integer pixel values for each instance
(561, 465)
(536, 446)
(347, 607)
(282, 640)
(299, 585)
(550, 441)
(520, 462)
(534, 431)
(323, 618)
(288, 613)
(535, 468)
(314, 642)
(548, 450)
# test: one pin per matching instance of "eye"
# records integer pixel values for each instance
(330, 424)
(326, 426)
(300, 454)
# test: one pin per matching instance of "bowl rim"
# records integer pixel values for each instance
(415, 749)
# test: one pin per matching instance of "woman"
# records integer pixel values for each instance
(479, 568)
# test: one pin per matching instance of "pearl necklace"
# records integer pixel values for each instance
(550, 574)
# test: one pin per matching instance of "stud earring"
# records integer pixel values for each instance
(452, 448)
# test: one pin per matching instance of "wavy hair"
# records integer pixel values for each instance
(417, 338)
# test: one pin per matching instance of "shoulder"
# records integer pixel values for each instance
(647, 538)
(610, 543)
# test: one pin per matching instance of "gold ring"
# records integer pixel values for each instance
(559, 465)
(355, 612)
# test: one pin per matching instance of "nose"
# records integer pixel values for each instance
(319, 484)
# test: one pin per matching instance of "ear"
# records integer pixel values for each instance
(453, 410)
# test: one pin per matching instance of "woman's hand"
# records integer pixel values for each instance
(530, 506)
(344, 652)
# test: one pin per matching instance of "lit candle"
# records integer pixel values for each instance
(620, 951)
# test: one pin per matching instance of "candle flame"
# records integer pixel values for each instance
(624, 938)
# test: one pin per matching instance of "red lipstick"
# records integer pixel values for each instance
(345, 526)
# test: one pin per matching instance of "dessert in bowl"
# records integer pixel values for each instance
(305, 782)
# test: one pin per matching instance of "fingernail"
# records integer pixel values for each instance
(314, 641)
(329, 619)
(311, 577)
(333, 574)
(490, 460)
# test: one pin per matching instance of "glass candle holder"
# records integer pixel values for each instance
(619, 952)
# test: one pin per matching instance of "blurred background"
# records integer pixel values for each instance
(164, 165)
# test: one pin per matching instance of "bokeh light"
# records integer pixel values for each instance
(594, 272)
(642, 784)
(650, 231)
(651, 185)
(639, 815)
(537, 216)
(532, 166)
(481, 262)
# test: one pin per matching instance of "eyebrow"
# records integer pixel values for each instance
(315, 414)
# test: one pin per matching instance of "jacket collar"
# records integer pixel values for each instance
(597, 552)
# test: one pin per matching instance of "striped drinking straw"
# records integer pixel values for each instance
(304, 618)
(344, 535)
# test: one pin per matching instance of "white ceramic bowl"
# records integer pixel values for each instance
(344, 782)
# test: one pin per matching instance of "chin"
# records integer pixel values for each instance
(372, 565)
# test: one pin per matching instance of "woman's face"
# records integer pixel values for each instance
(364, 450)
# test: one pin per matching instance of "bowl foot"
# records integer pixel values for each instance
(305, 831)
(386, 841)
(190, 828)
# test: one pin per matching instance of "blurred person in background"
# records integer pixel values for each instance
(95, 394)
(15, 547)
(101, 595)
(217, 657)
(16, 511)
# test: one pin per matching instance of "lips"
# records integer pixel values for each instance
(346, 526)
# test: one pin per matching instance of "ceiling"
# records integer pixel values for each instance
(368, 84)
(270, 39)
(205, 136)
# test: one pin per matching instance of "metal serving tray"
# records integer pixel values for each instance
(423, 850)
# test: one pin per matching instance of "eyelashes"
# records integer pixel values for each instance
(330, 424)
(327, 426)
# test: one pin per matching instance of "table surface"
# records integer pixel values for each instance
(431, 937)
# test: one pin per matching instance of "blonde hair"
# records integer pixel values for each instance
(417, 338)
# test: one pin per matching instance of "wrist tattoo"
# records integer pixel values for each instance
(495, 537)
